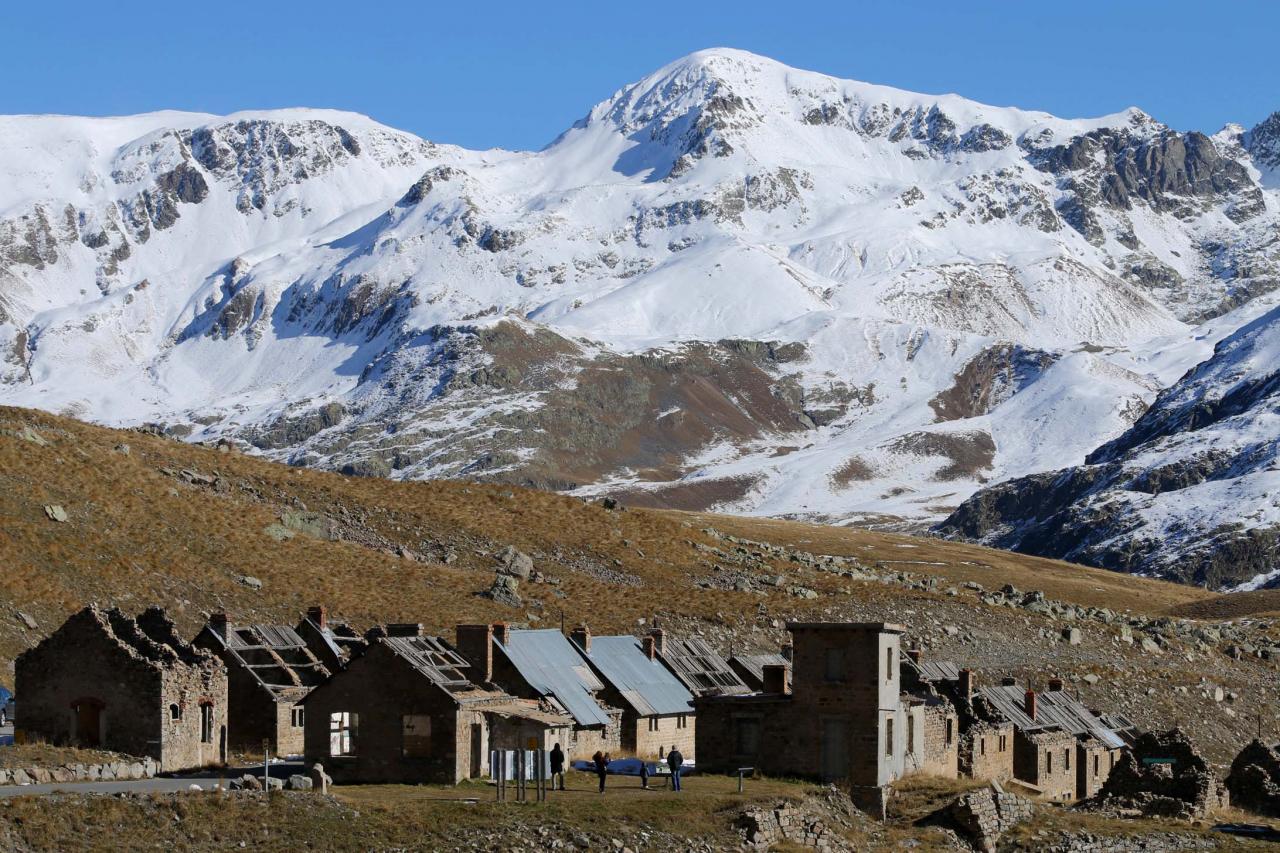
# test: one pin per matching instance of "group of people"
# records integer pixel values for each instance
(600, 762)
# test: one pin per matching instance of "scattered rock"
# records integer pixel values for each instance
(55, 512)
(26, 619)
(251, 582)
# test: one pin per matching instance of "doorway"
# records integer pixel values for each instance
(477, 750)
(88, 715)
(835, 749)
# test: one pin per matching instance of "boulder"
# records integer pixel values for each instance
(55, 512)
(298, 782)
(514, 562)
(320, 780)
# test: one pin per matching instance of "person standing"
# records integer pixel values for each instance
(602, 767)
(557, 768)
(644, 774)
(674, 760)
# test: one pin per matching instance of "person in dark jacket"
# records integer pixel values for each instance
(644, 774)
(674, 760)
(557, 768)
(602, 767)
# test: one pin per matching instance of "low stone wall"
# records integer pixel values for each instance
(987, 813)
(766, 827)
(143, 768)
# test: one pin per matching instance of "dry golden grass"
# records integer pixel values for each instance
(139, 534)
(45, 755)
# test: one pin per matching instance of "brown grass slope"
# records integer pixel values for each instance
(181, 525)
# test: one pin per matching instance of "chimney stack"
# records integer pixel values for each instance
(582, 636)
(1055, 685)
(659, 641)
(650, 646)
(1029, 705)
(475, 644)
(404, 629)
(317, 615)
(788, 651)
(218, 622)
(1008, 681)
(915, 654)
(777, 678)
(966, 683)
(502, 632)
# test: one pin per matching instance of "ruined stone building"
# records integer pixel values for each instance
(750, 668)
(1061, 749)
(698, 666)
(331, 642)
(270, 670)
(841, 717)
(931, 714)
(404, 710)
(657, 710)
(544, 666)
(106, 680)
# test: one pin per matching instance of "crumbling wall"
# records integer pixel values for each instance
(941, 743)
(1254, 782)
(987, 813)
(1163, 776)
(1046, 759)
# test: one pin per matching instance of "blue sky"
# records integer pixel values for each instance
(491, 73)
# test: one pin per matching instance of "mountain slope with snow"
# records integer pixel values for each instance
(732, 284)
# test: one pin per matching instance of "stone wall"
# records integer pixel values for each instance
(986, 751)
(987, 813)
(110, 771)
(1047, 760)
(1254, 782)
(652, 744)
(1094, 762)
(1163, 776)
(940, 741)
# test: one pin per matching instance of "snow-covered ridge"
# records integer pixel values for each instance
(940, 293)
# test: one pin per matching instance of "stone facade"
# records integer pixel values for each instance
(986, 751)
(842, 719)
(383, 719)
(655, 736)
(939, 746)
(1046, 759)
(128, 685)
(1094, 763)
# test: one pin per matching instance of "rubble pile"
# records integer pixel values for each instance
(1162, 776)
(814, 824)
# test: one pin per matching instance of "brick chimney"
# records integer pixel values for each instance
(915, 654)
(650, 646)
(218, 622)
(1055, 685)
(966, 683)
(1008, 681)
(582, 637)
(317, 615)
(788, 651)
(1029, 705)
(475, 644)
(659, 641)
(777, 678)
(502, 632)
(404, 629)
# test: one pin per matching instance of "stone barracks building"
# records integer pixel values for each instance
(404, 711)
(841, 718)
(106, 680)
(657, 709)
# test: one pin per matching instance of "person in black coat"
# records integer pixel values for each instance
(557, 768)
(674, 760)
(602, 767)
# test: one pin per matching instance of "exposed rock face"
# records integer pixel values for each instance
(1168, 496)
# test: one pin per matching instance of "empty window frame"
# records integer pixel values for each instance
(653, 724)
(1004, 742)
(890, 659)
(206, 723)
(951, 734)
(911, 734)
(682, 721)
(833, 665)
(342, 733)
(297, 716)
(888, 737)
(175, 712)
(746, 736)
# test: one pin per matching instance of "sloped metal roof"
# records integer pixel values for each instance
(1054, 709)
(431, 657)
(260, 636)
(647, 685)
(552, 666)
(935, 670)
(701, 668)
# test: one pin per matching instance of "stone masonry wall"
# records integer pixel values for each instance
(987, 751)
(651, 744)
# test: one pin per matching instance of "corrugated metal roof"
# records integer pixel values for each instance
(269, 636)
(1054, 708)
(701, 668)
(552, 666)
(647, 685)
(936, 670)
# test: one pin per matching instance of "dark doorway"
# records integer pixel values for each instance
(477, 750)
(88, 722)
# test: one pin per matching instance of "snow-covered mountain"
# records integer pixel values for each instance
(1190, 492)
(732, 283)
